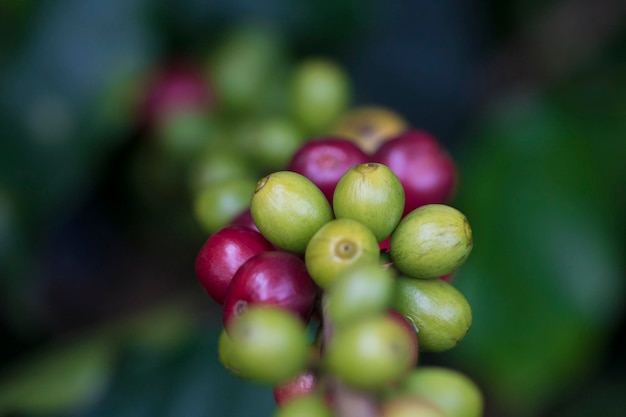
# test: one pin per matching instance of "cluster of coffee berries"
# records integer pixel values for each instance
(213, 122)
(336, 277)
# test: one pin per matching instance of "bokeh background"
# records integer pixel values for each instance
(100, 310)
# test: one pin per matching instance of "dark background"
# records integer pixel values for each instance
(100, 311)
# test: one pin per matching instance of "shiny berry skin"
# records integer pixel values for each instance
(372, 194)
(426, 170)
(275, 278)
(441, 313)
(338, 245)
(325, 160)
(288, 209)
(223, 253)
(431, 241)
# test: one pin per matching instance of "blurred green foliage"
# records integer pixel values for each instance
(546, 278)
(541, 180)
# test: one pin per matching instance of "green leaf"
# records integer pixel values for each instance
(189, 381)
(544, 280)
(62, 377)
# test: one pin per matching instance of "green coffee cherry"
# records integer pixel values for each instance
(337, 245)
(214, 165)
(372, 194)
(243, 66)
(304, 406)
(440, 312)
(227, 353)
(289, 209)
(370, 353)
(217, 204)
(183, 134)
(268, 344)
(412, 407)
(359, 291)
(274, 142)
(319, 92)
(449, 389)
(431, 241)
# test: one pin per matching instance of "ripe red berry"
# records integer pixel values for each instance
(244, 219)
(325, 160)
(178, 86)
(275, 278)
(423, 166)
(223, 253)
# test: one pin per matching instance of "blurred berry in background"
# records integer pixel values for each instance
(131, 130)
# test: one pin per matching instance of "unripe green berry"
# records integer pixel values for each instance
(269, 344)
(449, 389)
(412, 407)
(289, 209)
(311, 405)
(370, 353)
(336, 246)
(440, 312)
(431, 241)
(359, 291)
(372, 194)
(217, 204)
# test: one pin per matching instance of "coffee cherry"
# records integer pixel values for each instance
(302, 385)
(215, 206)
(175, 88)
(370, 126)
(275, 278)
(244, 219)
(243, 65)
(223, 253)
(184, 133)
(270, 345)
(227, 354)
(440, 312)
(337, 245)
(452, 391)
(359, 291)
(311, 405)
(412, 407)
(424, 167)
(411, 331)
(289, 209)
(212, 166)
(319, 93)
(372, 194)
(325, 160)
(370, 353)
(270, 142)
(431, 241)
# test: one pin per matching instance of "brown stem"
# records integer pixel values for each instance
(347, 401)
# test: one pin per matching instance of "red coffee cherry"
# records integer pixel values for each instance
(223, 253)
